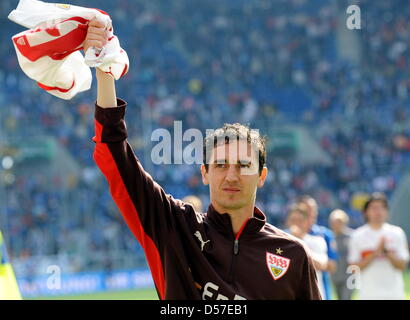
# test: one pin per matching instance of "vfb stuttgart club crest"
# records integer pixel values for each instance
(277, 265)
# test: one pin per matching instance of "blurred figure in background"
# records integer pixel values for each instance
(338, 222)
(194, 201)
(381, 252)
(327, 235)
(8, 285)
(298, 225)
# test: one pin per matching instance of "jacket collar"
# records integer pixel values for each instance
(222, 221)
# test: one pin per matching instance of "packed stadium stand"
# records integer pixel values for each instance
(273, 64)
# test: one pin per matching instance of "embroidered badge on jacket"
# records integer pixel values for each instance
(277, 265)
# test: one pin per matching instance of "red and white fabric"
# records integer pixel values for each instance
(49, 52)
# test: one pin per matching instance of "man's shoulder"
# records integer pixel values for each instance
(187, 210)
(325, 232)
(286, 238)
(393, 229)
(314, 238)
(346, 233)
(348, 230)
(317, 229)
(360, 231)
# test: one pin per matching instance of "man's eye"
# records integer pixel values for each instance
(245, 165)
(220, 165)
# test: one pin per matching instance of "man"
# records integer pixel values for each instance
(381, 253)
(327, 234)
(298, 225)
(193, 255)
(9, 289)
(338, 221)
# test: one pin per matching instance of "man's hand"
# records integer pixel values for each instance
(97, 36)
(380, 250)
(296, 231)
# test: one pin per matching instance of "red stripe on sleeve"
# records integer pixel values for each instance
(107, 165)
(98, 131)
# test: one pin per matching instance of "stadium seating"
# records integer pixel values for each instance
(206, 63)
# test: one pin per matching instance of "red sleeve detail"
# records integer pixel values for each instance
(98, 131)
(106, 163)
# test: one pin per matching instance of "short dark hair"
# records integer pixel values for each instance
(376, 196)
(235, 132)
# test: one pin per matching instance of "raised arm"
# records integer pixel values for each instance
(148, 211)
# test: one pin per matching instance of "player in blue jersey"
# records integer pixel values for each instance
(328, 235)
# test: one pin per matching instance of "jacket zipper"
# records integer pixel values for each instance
(235, 253)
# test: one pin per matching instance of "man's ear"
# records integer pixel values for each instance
(262, 177)
(204, 175)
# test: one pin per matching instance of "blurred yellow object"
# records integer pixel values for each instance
(195, 86)
(194, 201)
(358, 200)
(9, 289)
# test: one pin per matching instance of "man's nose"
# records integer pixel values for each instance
(232, 174)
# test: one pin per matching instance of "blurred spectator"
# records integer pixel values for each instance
(380, 251)
(298, 225)
(325, 233)
(339, 221)
(195, 202)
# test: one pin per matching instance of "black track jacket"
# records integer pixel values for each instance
(195, 255)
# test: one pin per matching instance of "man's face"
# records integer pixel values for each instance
(337, 225)
(233, 176)
(376, 212)
(297, 219)
(311, 208)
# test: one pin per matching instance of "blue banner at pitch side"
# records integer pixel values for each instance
(87, 282)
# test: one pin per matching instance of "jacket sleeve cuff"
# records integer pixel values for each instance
(109, 123)
(110, 116)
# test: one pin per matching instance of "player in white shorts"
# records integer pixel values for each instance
(381, 252)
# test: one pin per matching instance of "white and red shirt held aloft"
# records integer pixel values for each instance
(49, 51)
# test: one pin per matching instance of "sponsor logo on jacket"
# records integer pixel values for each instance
(201, 240)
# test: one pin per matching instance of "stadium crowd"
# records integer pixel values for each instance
(206, 63)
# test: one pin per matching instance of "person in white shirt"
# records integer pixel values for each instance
(298, 225)
(381, 252)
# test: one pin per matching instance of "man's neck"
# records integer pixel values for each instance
(238, 216)
(376, 226)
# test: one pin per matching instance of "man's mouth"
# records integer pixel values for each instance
(231, 190)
